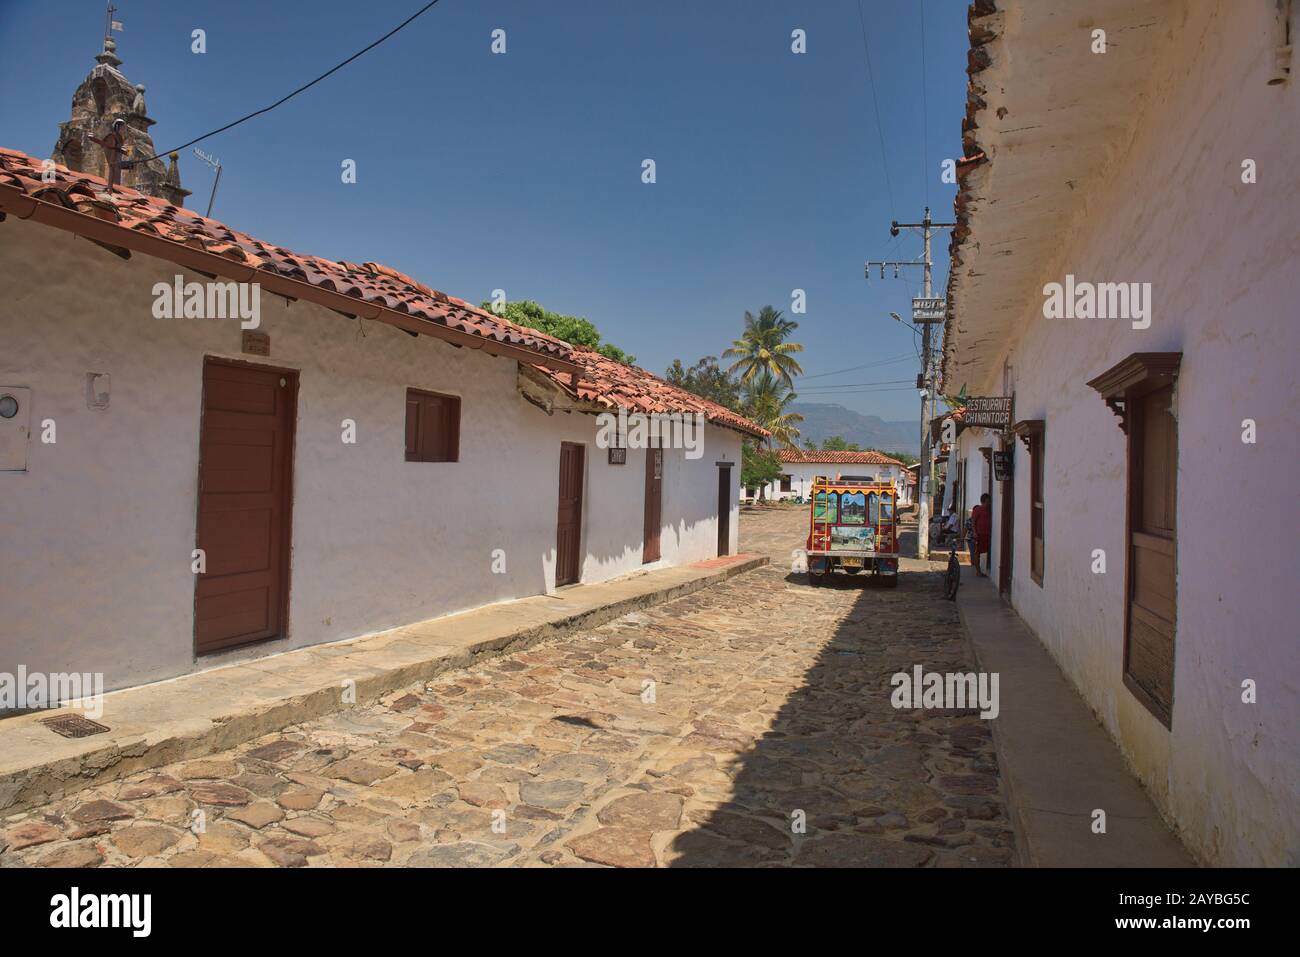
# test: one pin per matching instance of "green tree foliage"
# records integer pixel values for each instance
(765, 400)
(837, 443)
(758, 466)
(708, 380)
(903, 457)
(572, 329)
(762, 347)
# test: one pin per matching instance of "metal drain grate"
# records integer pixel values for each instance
(74, 726)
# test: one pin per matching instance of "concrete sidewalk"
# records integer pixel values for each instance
(1058, 764)
(210, 711)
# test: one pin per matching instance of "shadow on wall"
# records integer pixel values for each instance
(870, 785)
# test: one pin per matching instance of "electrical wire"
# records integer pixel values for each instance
(822, 395)
(925, 116)
(868, 365)
(871, 77)
(306, 86)
(851, 385)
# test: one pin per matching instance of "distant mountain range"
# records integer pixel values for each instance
(822, 420)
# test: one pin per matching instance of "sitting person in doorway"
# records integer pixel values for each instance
(982, 526)
(951, 526)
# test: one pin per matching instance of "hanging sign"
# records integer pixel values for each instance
(988, 411)
(929, 310)
(1002, 466)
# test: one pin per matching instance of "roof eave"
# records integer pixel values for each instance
(578, 404)
(14, 201)
(1036, 142)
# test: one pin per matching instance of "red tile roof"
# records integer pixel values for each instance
(612, 385)
(603, 381)
(805, 456)
(371, 283)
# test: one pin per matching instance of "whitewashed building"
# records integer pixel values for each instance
(1127, 268)
(178, 492)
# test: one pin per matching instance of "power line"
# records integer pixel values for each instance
(852, 385)
(871, 77)
(925, 116)
(822, 395)
(304, 87)
(868, 365)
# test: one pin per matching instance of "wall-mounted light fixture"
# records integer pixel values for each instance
(97, 390)
(1280, 70)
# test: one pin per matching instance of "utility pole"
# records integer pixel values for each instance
(925, 483)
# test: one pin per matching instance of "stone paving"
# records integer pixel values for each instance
(748, 724)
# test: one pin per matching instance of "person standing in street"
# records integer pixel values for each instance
(982, 526)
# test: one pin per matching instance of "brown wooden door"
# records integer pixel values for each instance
(1153, 496)
(1007, 529)
(568, 537)
(245, 491)
(654, 501)
(724, 511)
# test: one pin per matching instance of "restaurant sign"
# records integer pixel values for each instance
(988, 411)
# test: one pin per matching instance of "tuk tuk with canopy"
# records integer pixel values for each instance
(853, 528)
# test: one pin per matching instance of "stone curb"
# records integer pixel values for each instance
(192, 737)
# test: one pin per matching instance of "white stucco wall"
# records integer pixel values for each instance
(97, 533)
(1222, 257)
(967, 450)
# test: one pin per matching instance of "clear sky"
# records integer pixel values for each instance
(522, 171)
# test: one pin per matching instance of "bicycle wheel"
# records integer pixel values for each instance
(952, 581)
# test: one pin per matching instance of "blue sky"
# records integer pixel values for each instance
(523, 171)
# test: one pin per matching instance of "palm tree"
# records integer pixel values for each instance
(762, 347)
(766, 399)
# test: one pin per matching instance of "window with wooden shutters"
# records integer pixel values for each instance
(432, 427)
(1031, 432)
(1038, 511)
(1140, 390)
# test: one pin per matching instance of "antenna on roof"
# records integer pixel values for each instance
(215, 164)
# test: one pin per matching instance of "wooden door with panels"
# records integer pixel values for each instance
(245, 501)
(724, 510)
(1142, 390)
(654, 503)
(568, 536)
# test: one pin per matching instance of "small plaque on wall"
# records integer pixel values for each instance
(256, 343)
(1002, 466)
(617, 456)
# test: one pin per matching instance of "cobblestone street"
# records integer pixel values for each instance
(746, 724)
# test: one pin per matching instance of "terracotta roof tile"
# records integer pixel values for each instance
(612, 385)
(369, 282)
(604, 382)
(805, 456)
